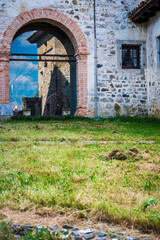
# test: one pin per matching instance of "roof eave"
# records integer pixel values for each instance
(144, 11)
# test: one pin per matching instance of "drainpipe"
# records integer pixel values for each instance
(95, 60)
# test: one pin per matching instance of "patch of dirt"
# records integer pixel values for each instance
(146, 155)
(118, 155)
(150, 166)
(121, 155)
(133, 151)
(36, 127)
(115, 132)
(46, 217)
(13, 139)
(105, 126)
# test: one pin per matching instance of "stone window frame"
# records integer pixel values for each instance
(141, 44)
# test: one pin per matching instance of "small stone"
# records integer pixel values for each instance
(89, 236)
(17, 236)
(39, 227)
(113, 236)
(101, 234)
(53, 227)
(85, 231)
(99, 65)
(75, 234)
(16, 225)
(112, 52)
(65, 236)
(116, 236)
(75, 2)
(75, 229)
(27, 226)
(131, 238)
(87, 33)
(100, 238)
(67, 227)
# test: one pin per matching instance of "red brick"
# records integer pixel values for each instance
(74, 33)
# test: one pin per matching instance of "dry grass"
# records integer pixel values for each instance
(70, 166)
(47, 217)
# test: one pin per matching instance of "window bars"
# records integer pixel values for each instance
(130, 56)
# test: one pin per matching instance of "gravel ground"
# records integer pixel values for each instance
(68, 226)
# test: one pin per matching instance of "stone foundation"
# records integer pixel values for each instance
(5, 111)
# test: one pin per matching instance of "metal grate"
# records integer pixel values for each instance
(130, 57)
(43, 57)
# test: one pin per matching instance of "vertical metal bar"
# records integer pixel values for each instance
(95, 60)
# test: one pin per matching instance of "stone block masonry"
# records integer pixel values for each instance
(130, 88)
(72, 232)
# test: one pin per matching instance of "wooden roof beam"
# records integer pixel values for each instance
(142, 14)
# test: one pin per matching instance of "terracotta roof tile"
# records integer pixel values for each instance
(139, 8)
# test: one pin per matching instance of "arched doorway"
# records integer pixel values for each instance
(54, 57)
(21, 24)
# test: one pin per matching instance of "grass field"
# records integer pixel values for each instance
(72, 165)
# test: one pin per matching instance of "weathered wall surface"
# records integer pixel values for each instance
(128, 88)
(125, 87)
(153, 66)
(53, 75)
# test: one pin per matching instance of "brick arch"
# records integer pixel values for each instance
(58, 19)
(74, 33)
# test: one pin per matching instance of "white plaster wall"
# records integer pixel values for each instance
(153, 69)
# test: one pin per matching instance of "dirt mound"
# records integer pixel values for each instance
(118, 155)
(133, 151)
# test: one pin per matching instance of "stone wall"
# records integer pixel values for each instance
(125, 87)
(128, 88)
(153, 66)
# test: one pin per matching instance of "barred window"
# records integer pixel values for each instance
(130, 56)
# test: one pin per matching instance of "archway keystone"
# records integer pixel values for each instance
(74, 33)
